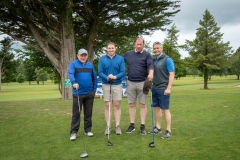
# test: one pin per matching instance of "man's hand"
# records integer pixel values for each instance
(111, 78)
(75, 85)
(150, 77)
(167, 91)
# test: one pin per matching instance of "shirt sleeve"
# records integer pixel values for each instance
(100, 69)
(170, 65)
(94, 79)
(121, 74)
(71, 72)
(150, 61)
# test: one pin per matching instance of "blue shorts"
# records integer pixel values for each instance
(159, 99)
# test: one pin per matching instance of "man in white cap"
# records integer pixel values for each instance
(84, 82)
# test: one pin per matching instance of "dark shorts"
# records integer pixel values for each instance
(159, 99)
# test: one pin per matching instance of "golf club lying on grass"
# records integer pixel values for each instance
(84, 154)
(152, 144)
(110, 81)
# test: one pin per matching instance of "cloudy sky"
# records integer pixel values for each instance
(226, 14)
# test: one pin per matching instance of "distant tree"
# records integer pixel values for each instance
(29, 70)
(171, 48)
(33, 59)
(193, 71)
(41, 75)
(20, 78)
(7, 62)
(235, 66)
(207, 50)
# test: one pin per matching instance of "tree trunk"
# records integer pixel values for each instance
(91, 40)
(68, 54)
(205, 77)
(238, 77)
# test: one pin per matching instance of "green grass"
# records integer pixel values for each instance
(35, 124)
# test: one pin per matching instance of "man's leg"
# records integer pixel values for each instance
(158, 116)
(88, 107)
(117, 112)
(143, 113)
(132, 96)
(75, 116)
(107, 105)
(167, 116)
(132, 112)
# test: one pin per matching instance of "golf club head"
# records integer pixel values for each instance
(84, 154)
(110, 143)
(152, 144)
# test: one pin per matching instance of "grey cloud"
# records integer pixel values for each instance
(225, 12)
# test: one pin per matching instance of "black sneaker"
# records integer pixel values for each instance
(166, 135)
(130, 129)
(155, 130)
(142, 130)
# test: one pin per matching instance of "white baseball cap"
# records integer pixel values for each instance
(81, 51)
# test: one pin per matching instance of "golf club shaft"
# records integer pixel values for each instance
(152, 118)
(109, 106)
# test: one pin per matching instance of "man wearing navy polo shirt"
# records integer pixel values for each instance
(140, 67)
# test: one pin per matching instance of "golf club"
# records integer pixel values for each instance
(84, 154)
(152, 144)
(110, 81)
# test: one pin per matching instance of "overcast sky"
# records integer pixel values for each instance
(226, 14)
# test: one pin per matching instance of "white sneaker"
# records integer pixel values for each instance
(89, 134)
(73, 137)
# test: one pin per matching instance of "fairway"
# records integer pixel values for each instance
(35, 124)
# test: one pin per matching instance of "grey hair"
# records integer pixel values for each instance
(157, 43)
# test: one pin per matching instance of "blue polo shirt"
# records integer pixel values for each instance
(114, 66)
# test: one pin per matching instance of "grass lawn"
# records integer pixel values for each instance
(35, 124)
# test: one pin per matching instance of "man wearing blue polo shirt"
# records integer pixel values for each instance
(111, 68)
(161, 88)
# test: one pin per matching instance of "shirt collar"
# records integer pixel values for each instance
(138, 52)
(160, 56)
(109, 56)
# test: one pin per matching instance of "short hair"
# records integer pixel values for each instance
(111, 43)
(140, 38)
(155, 43)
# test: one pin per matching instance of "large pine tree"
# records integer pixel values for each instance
(208, 51)
(235, 60)
(171, 48)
